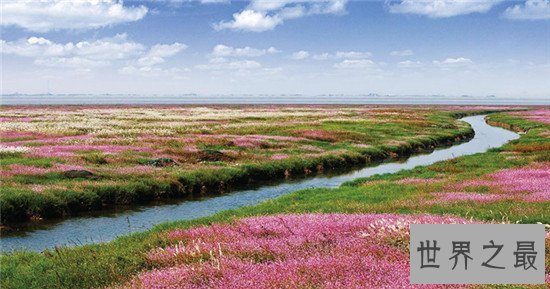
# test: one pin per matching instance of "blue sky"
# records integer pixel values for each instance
(427, 47)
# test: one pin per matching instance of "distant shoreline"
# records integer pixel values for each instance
(115, 99)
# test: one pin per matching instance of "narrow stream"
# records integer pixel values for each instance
(102, 228)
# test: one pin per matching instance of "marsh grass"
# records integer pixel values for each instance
(218, 165)
(98, 265)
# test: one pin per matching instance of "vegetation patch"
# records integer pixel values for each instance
(139, 154)
(251, 241)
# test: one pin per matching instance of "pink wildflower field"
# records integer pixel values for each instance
(528, 184)
(541, 115)
(159, 143)
(290, 251)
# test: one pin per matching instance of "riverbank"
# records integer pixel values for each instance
(65, 166)
(41, 235)
(115, 262)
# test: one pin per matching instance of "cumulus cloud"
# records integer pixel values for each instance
(530, 10)
(441, 8)
(47, 15)
(225, 57)
(348, 59)
(409, 64)
(453, 62)
(84, 53)
(322, 56)
(352, 54)
(354, 64)
(300, 55)
(221, 50)
(343, 55)
(407, 52)
(221, 63)
(215, 1)
(264, 15)
(159, 52)
(250, 20)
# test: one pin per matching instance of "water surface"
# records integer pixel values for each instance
(125, 99)
(102, 228)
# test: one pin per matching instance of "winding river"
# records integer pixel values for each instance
(102, 228)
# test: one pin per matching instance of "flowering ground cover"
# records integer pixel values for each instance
(509, 183)
(56, 161)
(358, 228)
(358, 251)
(289, 251)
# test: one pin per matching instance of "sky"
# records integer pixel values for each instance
(405, 47)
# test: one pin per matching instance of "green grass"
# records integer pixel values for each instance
(214, 173)
(98, 265)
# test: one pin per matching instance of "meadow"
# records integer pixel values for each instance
(59, 161)
(354, 236)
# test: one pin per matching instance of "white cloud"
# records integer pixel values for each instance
(453, 62)
(145, 65)
(354, 64)
(311, 6)
(407, 52)
(322, 56)
(264, 15)
(409, 64)
(86, 53)
(531, 10)
(150, 71)
(70, 62)
(300, 55)
(352, 54)
(221, 63)
(221, 50)
(158, 52)
(442, 8)
(272, 50)
(250, 20)
(215, 1)
(342, 55)
(47, 15)
(179, 3)
(460, 60)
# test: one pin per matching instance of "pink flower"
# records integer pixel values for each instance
(317, 135)
(290, 251)
(480, 107)
(417, 181)
(460, 196)
(16, 134)
(542, 115)
(247, 142)
(528, 183)
(279, 157)
(533, 179)
(69, 150)
(66, 167)
(16, 169)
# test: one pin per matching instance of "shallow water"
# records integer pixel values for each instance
(80, 99)
(102, 228)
